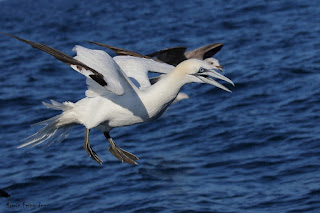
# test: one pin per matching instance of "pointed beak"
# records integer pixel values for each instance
(220, 67)
(206, 75)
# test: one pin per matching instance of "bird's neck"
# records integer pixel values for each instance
(168, 87)
(160, 95)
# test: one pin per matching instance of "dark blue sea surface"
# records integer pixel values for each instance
(256, 149)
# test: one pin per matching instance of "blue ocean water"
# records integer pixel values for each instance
(254, 150)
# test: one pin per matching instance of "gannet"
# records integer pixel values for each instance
(112, 100)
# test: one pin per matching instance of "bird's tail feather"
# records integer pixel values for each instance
(58, 106)
(52, 131)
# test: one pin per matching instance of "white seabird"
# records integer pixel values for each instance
(112, 100)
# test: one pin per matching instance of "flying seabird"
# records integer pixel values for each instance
(112, 100)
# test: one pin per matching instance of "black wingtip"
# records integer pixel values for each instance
(101, 45)
(92, 42)
(20, 39)
(99, 80)
(96, 76)
(212, 49)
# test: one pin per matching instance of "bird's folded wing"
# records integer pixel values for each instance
(173, 55)
(204, 51)
(107, 77)
(120, 51)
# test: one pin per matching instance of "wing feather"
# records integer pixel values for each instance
(103, 64)
(138, 68)
(123, 52)
(172, 55)
(94, 64)
(204, 51)
(136, 65)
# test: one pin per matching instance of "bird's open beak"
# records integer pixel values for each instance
(206, 75)
(220, 67)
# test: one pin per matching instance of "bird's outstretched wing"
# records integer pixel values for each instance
(119, 51)
(173, 55)
(136, 65)
(204, 51)
(96, 65)
(105, 65)
(138, 68)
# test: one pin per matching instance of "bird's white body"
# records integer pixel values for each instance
(105, 110)
(113, 100)
(134, 106)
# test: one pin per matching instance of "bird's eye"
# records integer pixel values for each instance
(201, 69)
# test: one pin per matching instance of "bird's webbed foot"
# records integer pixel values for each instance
(119, 153)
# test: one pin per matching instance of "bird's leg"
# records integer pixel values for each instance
(119, 153)
(88, 148)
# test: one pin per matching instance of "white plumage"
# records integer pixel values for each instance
(112, 100)
(138, 68)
